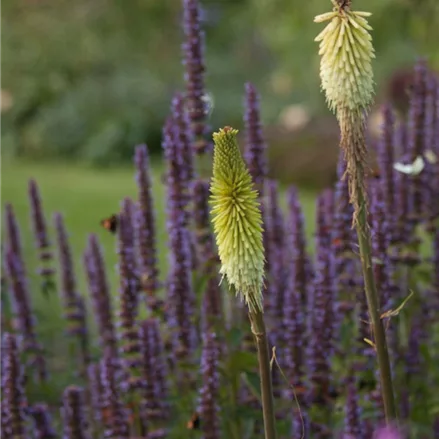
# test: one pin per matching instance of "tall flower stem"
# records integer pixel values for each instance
(373, 303)
(237, 223)
(258, 330)
(347, 78)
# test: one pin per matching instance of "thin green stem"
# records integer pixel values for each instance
(258, 330)
(373, 303)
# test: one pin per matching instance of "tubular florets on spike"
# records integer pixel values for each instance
(346, 64)
(237, 219)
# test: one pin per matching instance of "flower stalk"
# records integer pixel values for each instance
(347, 78)
(237, 223)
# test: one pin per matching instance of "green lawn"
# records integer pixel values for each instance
(84, 196)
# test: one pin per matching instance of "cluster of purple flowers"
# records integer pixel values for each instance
(169, 350)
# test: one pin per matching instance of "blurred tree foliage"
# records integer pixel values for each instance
(89, 79)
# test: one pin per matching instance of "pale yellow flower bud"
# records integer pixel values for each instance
(237, 219)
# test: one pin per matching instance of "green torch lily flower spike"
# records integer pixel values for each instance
(347, 79)
(346, 50)
(237, 220)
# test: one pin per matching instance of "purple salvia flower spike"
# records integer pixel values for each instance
(404, 228)
(74, 306)
(146, 228)
(95, 390)
(42, 420)
(24, 317)
(416, 133)
(73, 414)
(255, 152)
(274, 295)
(129, 296)
(212, 297)
(193, 60)
(183, 139)
(380, 242)
(177, 208)
(275, 232)
(431, 175)
(115, 417)
(42, 241)
(320, 308)
(14, 401)
(154, 391)
(180, 297)
(299, 275)
(100, 295)
(345, 261)
(209, 393)
(185, 157)
(352, 424)
(386, 160)
(13, 239)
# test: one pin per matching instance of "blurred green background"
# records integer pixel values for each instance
(89, 79)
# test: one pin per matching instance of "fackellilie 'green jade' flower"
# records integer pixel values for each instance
(347, 79)
(346, 53)
(237, 219)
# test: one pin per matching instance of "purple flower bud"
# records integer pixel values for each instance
(146, 227)
(24, 317)
(129, 291)
(74, 306)
(115, 417)
(209, 393)
(43, 428)
(100, 295)
(193, 61)
(387, 433)
(255, 147)
(154, 391)
(42, 241)
(14, 401)
(73, 414)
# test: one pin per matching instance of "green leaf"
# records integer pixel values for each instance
(241, 361)
(253, 382)
(234, 337)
